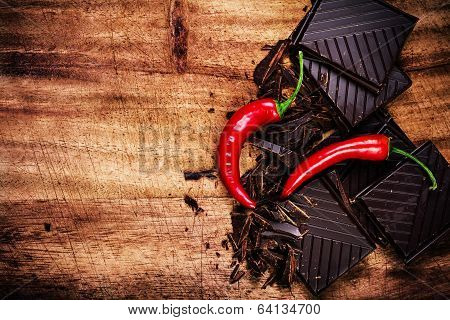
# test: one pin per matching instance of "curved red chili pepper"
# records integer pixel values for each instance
(242, 124)
(374, 147)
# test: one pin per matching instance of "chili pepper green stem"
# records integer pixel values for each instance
(283, 106)
(420, 163)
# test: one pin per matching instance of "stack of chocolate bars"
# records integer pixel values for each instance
(351, 51)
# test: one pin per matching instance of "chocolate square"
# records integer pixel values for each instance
(411, 215)
(333, 244)
(362, 38)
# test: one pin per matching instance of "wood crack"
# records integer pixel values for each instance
(178, 35)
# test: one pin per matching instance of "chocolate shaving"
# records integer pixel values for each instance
(243, 250)
(289, 269)
(270, 280)
(234, 272)
(245, 229)
(233, 243)
(238, 277)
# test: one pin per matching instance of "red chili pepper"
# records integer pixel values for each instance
(374, 147)
(242, 124)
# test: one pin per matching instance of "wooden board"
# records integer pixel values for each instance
(104, 104)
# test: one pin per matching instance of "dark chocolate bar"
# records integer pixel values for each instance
(333, 243)
(411, 215)
(362, 38)
(352, 101)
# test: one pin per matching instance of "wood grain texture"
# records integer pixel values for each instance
(103, 105)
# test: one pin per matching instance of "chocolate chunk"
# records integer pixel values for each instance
(362, 38)
(197, 175)
(333, 243)
(412, 216)
(353, 102)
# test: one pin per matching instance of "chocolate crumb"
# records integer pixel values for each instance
(193, 204)
(229, 115)
(225, 244)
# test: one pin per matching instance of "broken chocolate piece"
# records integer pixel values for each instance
(333, 244)
(412, 216)
(362, 38)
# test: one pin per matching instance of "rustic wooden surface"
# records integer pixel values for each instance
(104, 104)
